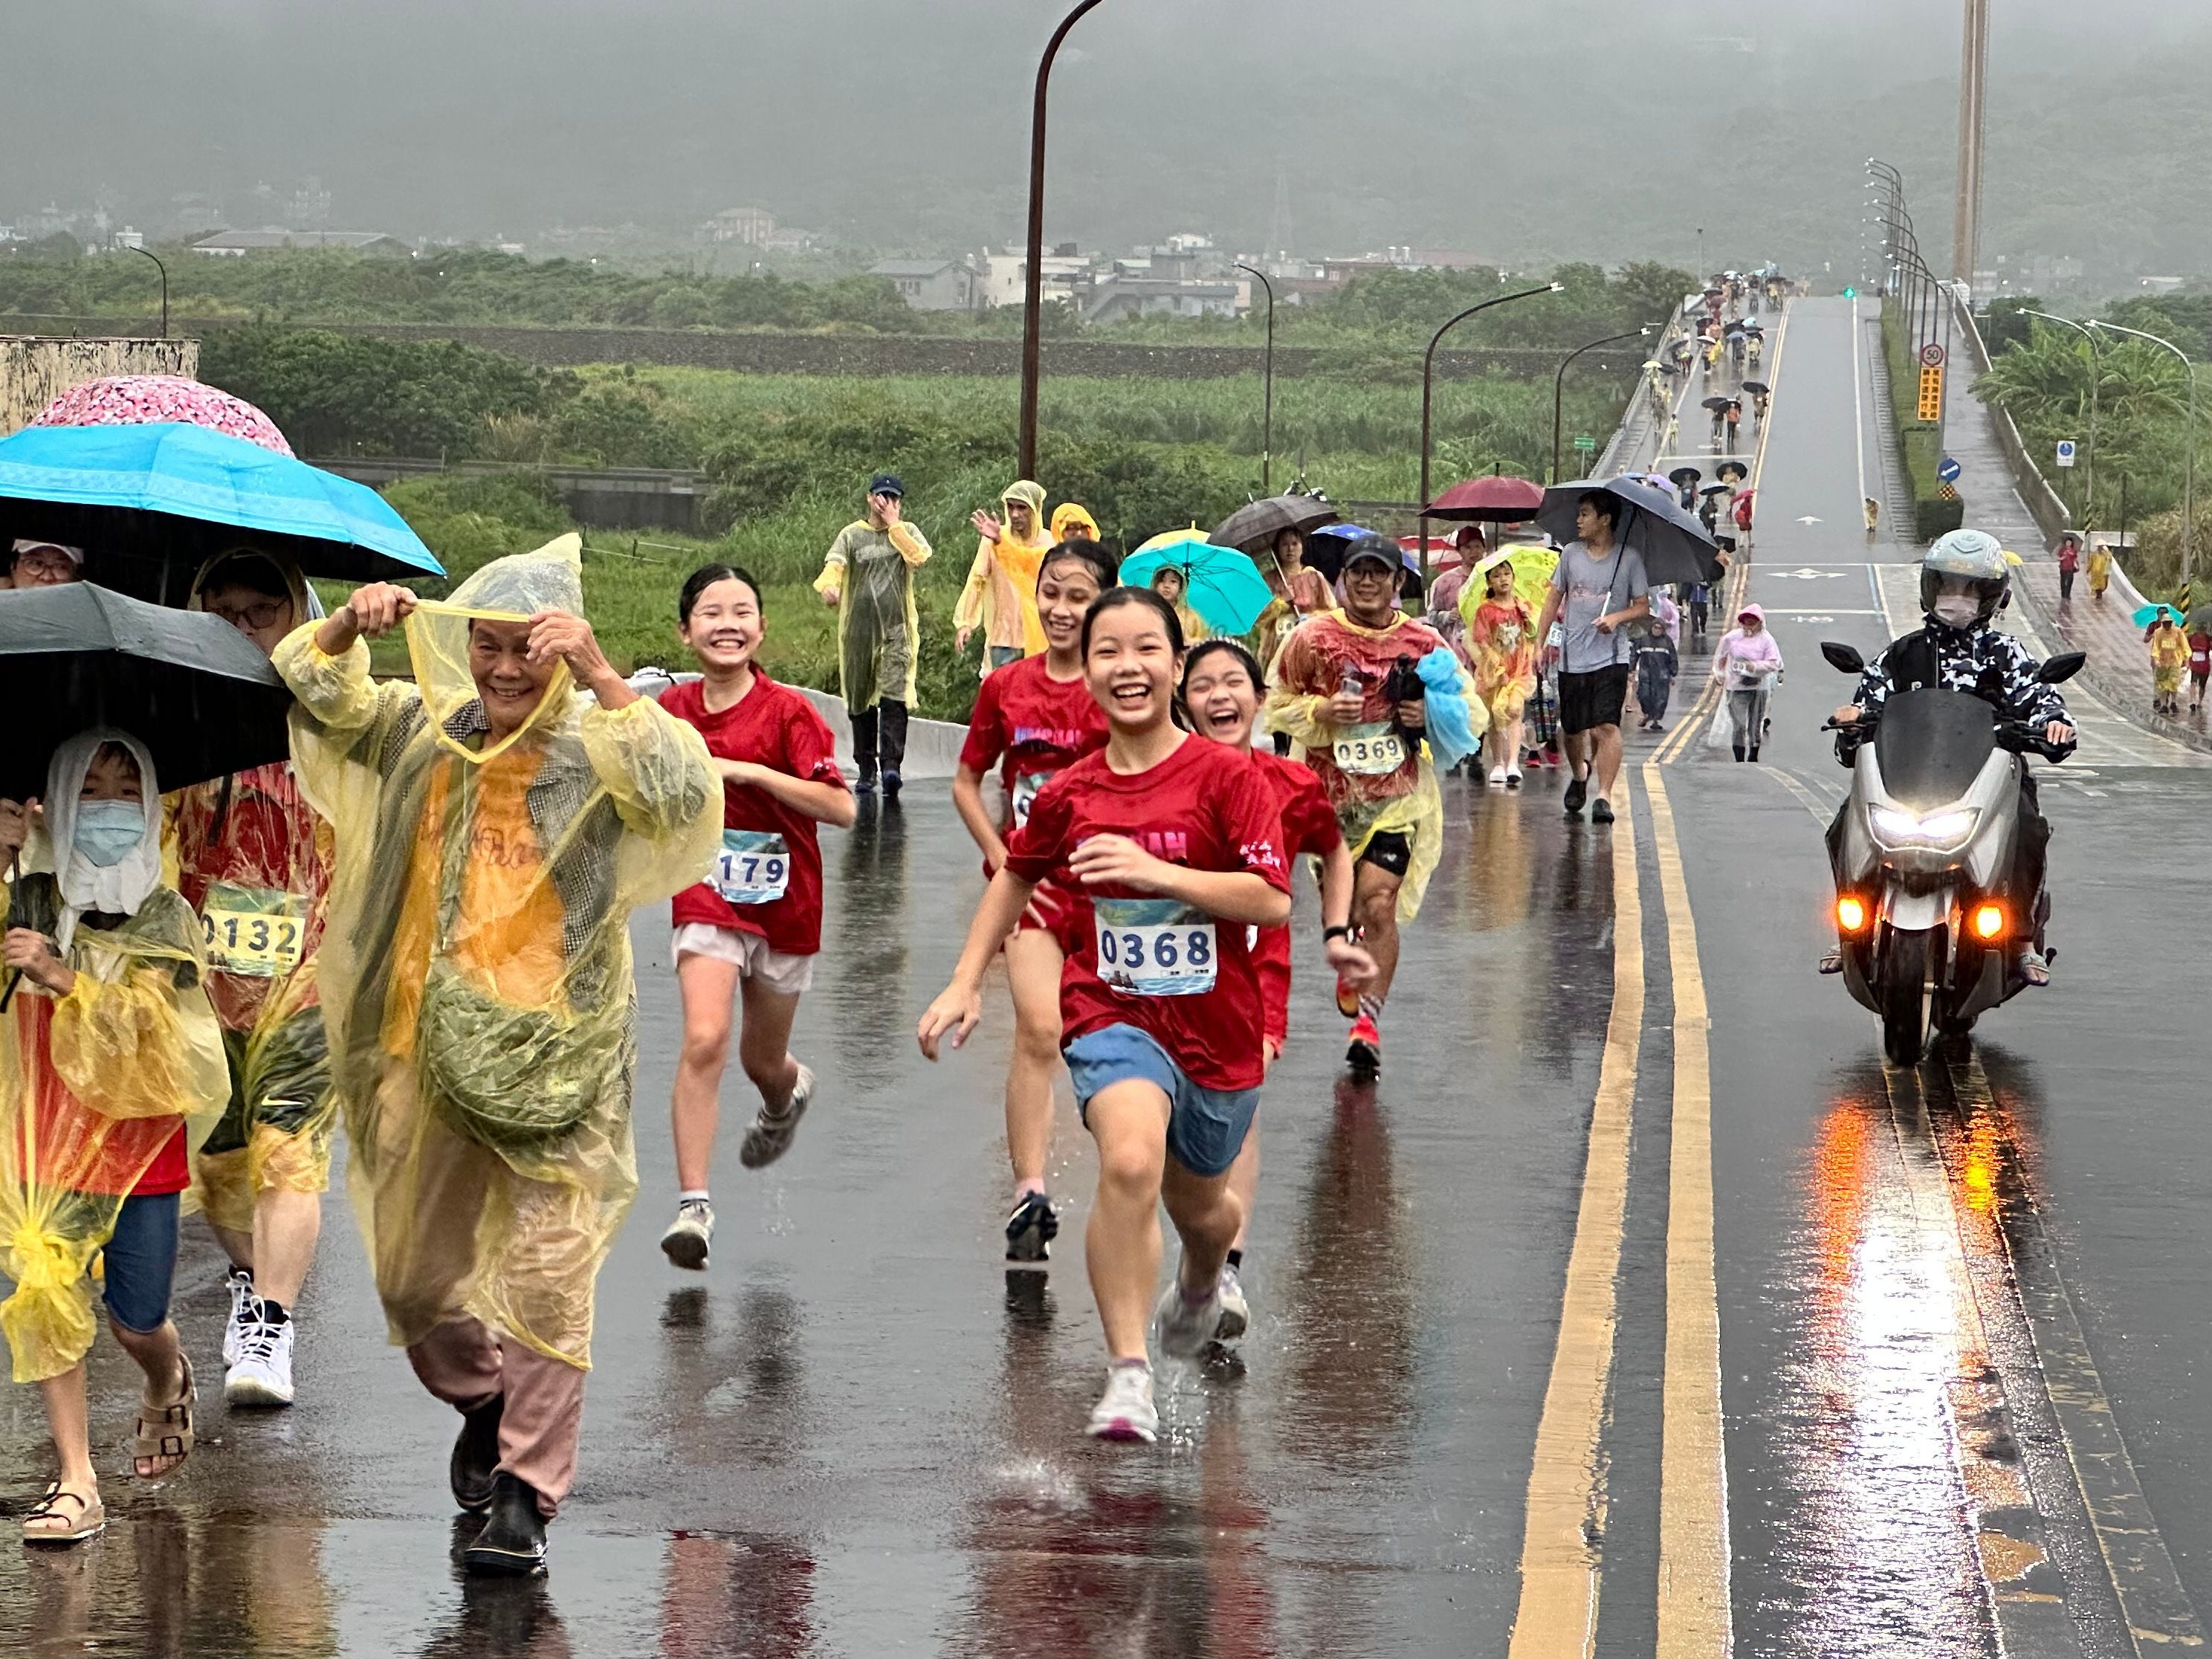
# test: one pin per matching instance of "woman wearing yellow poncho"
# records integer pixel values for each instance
(1000, 595)
(494, 831)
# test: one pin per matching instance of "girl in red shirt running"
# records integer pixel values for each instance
(1039, 715)
(1170, 848)
(755, 922)
(1221, 688)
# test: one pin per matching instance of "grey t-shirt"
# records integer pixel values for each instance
(1593, 586)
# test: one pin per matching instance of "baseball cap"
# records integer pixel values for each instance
(886, 483)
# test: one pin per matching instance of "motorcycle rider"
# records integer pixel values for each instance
(1964, 582)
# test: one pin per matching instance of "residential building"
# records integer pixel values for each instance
(933, 285)
(236, 244)
(753, 227)
(1065, 274)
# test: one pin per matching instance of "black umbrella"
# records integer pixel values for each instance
(1739, 471)
(188, 685)
(1253, 528)
(1676, 547)
(1684, 475)
(1716, 404)
(1759, 388)
(1716, 489)
(1736, 325)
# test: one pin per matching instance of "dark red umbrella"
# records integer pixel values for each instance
(1497, 498)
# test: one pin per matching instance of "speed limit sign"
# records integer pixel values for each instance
(1931, 355)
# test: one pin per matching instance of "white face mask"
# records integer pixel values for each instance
(1956, 609)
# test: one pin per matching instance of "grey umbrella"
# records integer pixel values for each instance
(1676, 547)
(1253, 528)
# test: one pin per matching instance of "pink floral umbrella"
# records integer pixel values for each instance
(144, 399)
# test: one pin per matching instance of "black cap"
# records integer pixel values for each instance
(886, 483)
(1373, 547)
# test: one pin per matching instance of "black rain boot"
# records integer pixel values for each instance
(512, 1541)
(1754, 754)
(864, 749)
(894, 743)
(1738, 751)
(476, 1455)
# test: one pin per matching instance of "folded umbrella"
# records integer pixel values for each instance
(1254, 525)
(1676, 547)
(196, 692)
(1221, 583)
(1499, 498)
(150, 502)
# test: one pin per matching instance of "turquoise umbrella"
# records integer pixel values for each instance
(150, 503)
(1222, 585)
(2146, 615)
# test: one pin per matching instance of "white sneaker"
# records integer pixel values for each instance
(1125, 1411)
(1498, 776)
(691, 1235)
(239, 1284)
(1512, 777)
(769, 1137)
(1235, 1311)
(261, 1374)
(1182, 1327)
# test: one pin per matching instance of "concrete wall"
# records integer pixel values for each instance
(34, 370)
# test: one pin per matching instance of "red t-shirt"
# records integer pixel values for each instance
(775, 726)
(1205, 807)
(1309, 825)
(2200, 653)
(1040, 725)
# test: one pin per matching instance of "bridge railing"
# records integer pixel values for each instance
(2050, 514)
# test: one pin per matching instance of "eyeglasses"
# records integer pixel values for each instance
(262, 613)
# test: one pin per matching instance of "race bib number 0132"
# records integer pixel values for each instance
(753, 867)
(1154, 947)
(256, 931)
(1372, 751)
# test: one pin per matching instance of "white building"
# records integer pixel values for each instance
(933, 285)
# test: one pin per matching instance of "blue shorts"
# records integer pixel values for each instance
(1206, 1126)
(138, 1263)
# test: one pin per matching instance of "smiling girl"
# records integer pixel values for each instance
(754, 924)
(1171, 846)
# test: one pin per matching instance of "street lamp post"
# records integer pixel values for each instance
(2089, 471)
(1033, 274)
(2189, 472)
(1267, 387)
(1428, 372)
(1559, 390)
(164, 269)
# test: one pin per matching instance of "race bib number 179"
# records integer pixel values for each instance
(753, 867)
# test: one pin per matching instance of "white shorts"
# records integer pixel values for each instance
(778, 971)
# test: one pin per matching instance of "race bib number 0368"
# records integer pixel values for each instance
(1154, 947)
(256, 931)
(753, 867)
(1372, 751)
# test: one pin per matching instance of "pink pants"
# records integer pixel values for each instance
(464, 1364)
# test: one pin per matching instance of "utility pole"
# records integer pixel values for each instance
(1973, 73)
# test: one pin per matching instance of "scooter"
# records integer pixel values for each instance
(1929, 928)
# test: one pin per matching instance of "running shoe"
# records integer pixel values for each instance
(1363, 1053)
(769, 1137)
(1347, 998)
(1512, 777)
(1179, 1326)
(1600, 810)
(1577, 793)
(1030, 1230)
(1235, 1311)
(260, 1373)
(690, 1237)
(240, 1283)
(1125, 1411)
(1498, 775)
(891, 784)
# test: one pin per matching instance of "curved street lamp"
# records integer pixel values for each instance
(1033, 276)
(1560, 383)
(2189, 474)
(2096, 374)
(1267, 385)
(1428, 374)
(164, 269)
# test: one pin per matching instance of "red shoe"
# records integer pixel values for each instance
(1364, 1055)
(1347, 1000)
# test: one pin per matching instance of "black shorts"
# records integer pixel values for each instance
(1389, 852)
(1590, 701)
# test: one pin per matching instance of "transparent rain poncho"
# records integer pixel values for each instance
(476, 968)
(92, 1084)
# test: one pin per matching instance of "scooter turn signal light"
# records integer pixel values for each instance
(1851, 913)
(1989, 920)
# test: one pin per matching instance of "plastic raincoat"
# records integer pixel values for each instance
(1372, 795)
(94, 1085)
(1000, 597)
(2169, 655)
(1067, 516)
(878, 630)
(1501, 644)
(476, 966)
(253, 859)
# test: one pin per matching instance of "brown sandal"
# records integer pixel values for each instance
(91, 1518)
(164, 1432)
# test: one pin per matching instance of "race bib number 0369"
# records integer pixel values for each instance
(1372, 751)
(1154, 947)
(256, 931)
(753, 867)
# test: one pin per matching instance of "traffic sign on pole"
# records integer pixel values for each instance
(1948, 470)
(2065, 451)
(1931, 394)
(1931, 355)
(1583, 441)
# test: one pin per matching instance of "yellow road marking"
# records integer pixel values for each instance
(1694, 1545)
(1566, 1501)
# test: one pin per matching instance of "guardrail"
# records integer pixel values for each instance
(2050, 513)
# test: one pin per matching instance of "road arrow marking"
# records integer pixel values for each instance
(1809, 574)
(1809, 519)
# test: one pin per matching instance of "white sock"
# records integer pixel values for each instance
(692, 1195)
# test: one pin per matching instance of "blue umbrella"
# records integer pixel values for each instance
(150, 503)
(1675, 546)
(2146, 615)
(1221, 584)
(1325, 547)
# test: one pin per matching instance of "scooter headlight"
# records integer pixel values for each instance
(1897, 827)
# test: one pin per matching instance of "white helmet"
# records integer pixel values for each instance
(1970, 556)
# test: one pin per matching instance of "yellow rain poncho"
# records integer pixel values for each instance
(879, 629)
(1069, 515)
(476, 967)
(94, 1085)
(1000, 596)
(253, 859)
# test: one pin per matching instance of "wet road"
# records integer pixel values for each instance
(1638, 1309)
